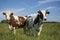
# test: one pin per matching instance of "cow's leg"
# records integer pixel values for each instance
(40, 29)
(33, 30)
(10, 27)
(27, 29)
(24, 29)
(14, 30)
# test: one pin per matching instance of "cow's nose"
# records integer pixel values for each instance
(45, 19)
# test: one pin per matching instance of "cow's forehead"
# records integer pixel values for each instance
(8, 12)
(43, 11)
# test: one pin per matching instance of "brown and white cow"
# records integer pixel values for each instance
(14, 22)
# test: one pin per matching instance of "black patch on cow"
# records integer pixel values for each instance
(38, 18)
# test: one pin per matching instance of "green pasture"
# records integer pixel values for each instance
(50, 31)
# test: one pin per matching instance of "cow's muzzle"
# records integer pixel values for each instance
(45, 19)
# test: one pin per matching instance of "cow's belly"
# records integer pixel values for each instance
(30, 22)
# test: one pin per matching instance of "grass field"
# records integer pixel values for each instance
(50, 31)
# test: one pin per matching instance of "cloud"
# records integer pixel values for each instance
(39, 3)
(14, 10)
(18, 10)
(51, 7)
(47, 1)
(52, 0)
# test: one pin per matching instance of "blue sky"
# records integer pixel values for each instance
(26, 7)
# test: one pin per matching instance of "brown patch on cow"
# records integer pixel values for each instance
(13, 22)
(22, 21)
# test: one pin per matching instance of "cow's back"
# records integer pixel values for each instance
(22, 20)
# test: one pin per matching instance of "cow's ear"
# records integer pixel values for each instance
(39, 11)
(11, 13)
(4, 13)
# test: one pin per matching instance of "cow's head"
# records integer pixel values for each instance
(43, 14)
(7, 15)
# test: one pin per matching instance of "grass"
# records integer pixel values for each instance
(50, 31)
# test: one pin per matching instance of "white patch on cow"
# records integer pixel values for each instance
(16, 18)
(44, 13)
(24, 17)
(40, 29)
(7, 14)
(33, 16)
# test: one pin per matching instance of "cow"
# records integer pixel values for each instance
(35, 21)
(14, 22)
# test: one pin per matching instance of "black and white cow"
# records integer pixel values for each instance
(35, 21)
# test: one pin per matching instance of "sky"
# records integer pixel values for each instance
(27, 7)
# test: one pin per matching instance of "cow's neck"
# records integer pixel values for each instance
(37, 19)
(41, 16)
(12, 20)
